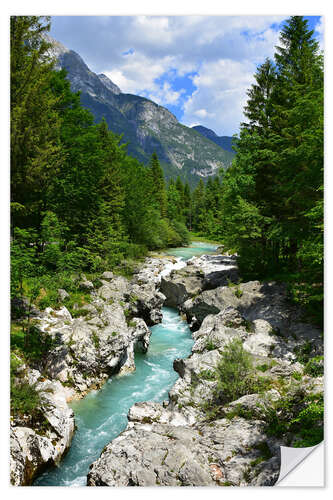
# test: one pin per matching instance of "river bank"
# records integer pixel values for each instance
(87, 349)
(217, 312)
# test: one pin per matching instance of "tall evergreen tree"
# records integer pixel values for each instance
(35, 153)
(188, 206)
(158, 189)
(272, 195)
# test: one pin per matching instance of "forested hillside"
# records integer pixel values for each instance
(78, 201)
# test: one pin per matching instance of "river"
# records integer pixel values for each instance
(102, 415)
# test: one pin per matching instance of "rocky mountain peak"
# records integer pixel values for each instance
(57, 49)
(109, 84)
(144, 125)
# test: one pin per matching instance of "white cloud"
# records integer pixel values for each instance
(138, 72)
(165, 95)
(142, 55)
(221, 94)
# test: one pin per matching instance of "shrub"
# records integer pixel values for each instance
(303, 352)
(297, 415)
(207, 374)
(309, 424)
(24, 399)
(263, 368)
(34, 347)
(182, 232)
(315, 366)
(235, 373)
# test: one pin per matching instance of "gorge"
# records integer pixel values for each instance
(183, 443)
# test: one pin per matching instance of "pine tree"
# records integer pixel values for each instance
(35, 154)
(272, 195)
(158, 190)
(188, 206)
(199, 207)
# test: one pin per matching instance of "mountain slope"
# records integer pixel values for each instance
(224, 141)
(144, 125)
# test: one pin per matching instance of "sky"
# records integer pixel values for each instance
(198, 67)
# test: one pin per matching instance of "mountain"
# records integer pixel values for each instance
(144, 125)
(224, 141)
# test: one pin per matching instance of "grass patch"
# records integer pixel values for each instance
(95, 340)
(210, 345)
(238, 292)
(207, 374)
(298, 416)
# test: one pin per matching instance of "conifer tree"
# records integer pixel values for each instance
(272, 195)
(35, 154)
(188, 206)
(158, 190)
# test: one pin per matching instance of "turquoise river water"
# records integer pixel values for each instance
(102, 415)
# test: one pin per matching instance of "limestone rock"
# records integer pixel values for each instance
(62, 294)
(85, 284)
(180, 455)
(200, 273)
(107, 275)
(146, 301)
(31, 452)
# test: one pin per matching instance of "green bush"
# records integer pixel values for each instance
(24, 399)
(315, 366)
(303, 352)
(34, 347)
(182, 232)
(207, 374)
(235, 373)
(308, 424)
(296, 416)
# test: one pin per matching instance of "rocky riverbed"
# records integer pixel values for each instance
(182, 442)
(191, 439)
(85, 351)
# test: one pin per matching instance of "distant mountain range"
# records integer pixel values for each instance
(224, 141)
(188, 152)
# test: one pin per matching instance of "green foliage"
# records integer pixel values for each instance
(264, 450)
(95, 340)
(235, 373)
(263, 368)
(23, 258)
(32, 346)
(303, 352)
(315, 367)
(271, 200)
(238, 292)
(24, 399)
(298, 415)
(309, 424)
(210, 345)
(207, 374)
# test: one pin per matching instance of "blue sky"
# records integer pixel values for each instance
(198, 67)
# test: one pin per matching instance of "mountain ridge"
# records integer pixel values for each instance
(224, 141)
(145, 126)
